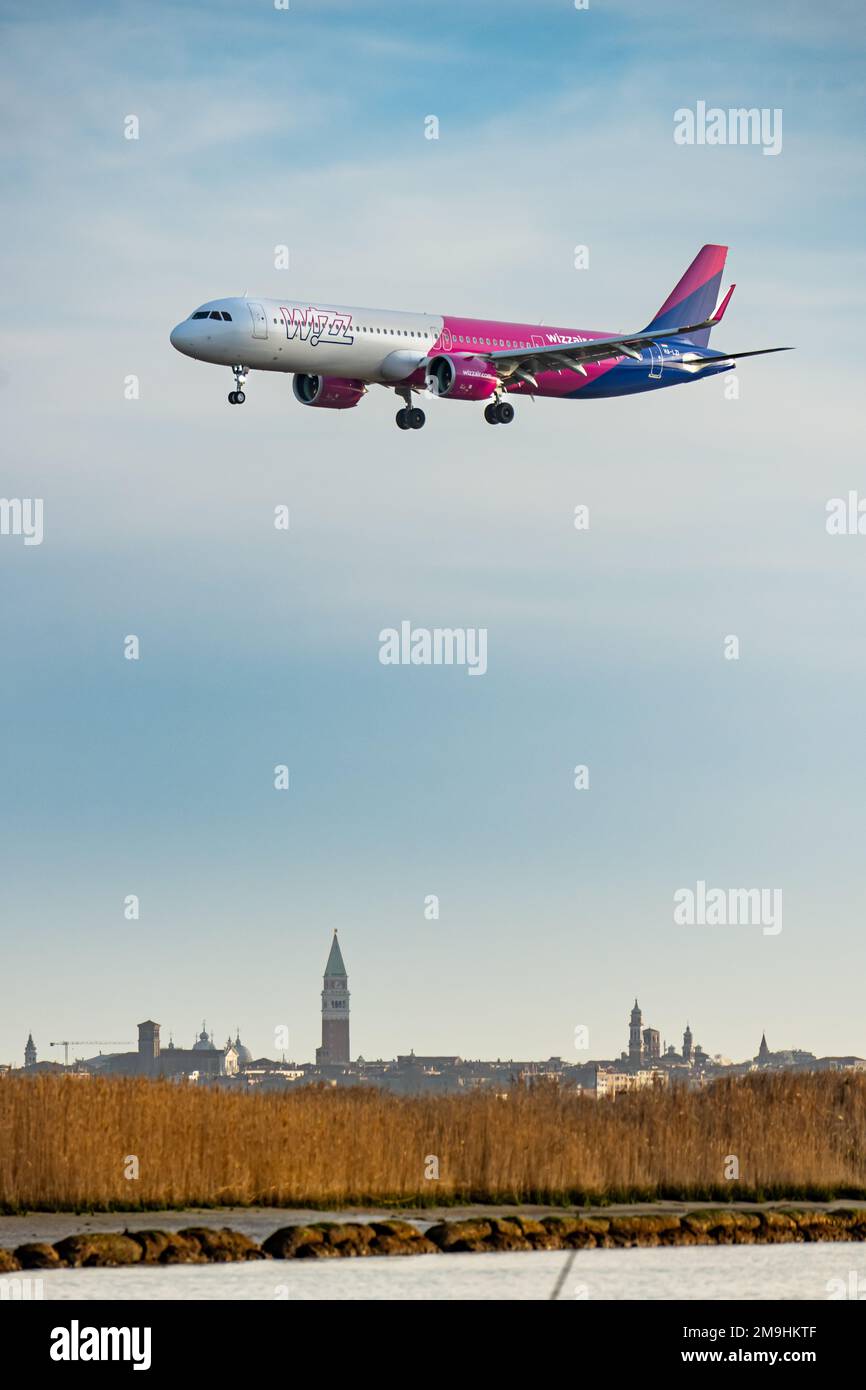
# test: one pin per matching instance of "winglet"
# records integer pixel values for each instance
(719, 312)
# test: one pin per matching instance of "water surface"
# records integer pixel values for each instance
(696, 1272)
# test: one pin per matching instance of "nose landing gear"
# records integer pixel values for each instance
(237, 396)
(499, 413)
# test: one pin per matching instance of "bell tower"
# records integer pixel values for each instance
(634, 1036)
(335, 1011)
(148, 1047)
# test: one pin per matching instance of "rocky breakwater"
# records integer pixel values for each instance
(494, 1234)
(196, 1245)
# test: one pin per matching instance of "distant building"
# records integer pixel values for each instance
(609, 1083)
(789, 1059)
(840, 1064)
(148, 1048)
(30, 1051)
(634, 1036)
(245, 1057)
(203, 1061)
(644, 1044)
(335, 1011)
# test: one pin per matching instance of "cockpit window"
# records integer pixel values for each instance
(215, 314)
(201, 314)
(227, 317)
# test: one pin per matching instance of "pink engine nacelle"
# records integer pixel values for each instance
(461, 378)
(332, 392)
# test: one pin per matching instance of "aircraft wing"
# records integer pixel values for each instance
(573, 356)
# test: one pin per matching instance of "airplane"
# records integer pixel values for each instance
(336, 352)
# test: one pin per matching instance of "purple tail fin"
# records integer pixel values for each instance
(695, 297)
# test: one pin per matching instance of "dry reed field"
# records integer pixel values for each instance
(64, 1143)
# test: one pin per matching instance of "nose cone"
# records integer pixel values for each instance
(179, 338)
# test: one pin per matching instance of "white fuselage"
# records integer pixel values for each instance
(271, 335)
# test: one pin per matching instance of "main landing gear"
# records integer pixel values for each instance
(499, 413)
(411, 417)
(237, 396)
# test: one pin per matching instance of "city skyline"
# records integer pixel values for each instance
(646, 1046)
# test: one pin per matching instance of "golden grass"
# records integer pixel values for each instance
(64, 1143)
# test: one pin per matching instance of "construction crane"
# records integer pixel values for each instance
(66, 1043)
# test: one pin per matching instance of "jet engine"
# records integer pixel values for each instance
(332, 392)
(460, 378)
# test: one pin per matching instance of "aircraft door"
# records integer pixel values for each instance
(260, 321)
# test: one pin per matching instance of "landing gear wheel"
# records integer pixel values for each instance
(505, 412)
(416, 418)
(402, 418)
(491, 413)
(237, 397)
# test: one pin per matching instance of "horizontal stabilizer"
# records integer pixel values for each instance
(693, 362)
(756, 352)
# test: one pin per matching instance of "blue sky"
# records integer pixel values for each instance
(306, 128)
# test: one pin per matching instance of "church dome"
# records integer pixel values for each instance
(203, 1043)
(244, 1054)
